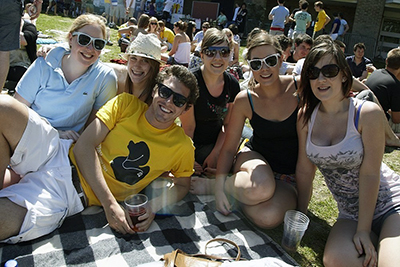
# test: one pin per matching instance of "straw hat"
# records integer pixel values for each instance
(144, 45)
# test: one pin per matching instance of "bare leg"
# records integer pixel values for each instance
(389, 241)
(4, 66)
(269, 214)
(10, 225)
(253, 181)
(13, 121)
(340, 249)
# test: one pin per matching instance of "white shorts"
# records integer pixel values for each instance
(46, 189)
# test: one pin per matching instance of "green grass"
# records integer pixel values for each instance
(322, 209)
(58, 27)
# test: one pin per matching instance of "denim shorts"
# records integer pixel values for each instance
(10, 20)
(378, 222)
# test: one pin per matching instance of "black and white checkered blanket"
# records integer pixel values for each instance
(87, 240)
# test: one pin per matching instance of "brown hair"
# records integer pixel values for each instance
(149, 84)
(143, 22)
(393, 59)
(214, 36)
(308, 100)
(88, 19)
(184, 76)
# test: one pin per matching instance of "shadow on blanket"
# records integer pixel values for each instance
(86, 239)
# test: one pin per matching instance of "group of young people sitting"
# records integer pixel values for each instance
(117, 128)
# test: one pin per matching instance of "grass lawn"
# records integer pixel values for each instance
(322, 209)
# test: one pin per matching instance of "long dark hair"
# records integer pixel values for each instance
(308, 100)
(146, 95)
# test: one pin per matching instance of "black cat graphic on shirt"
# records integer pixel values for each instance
(131, 169)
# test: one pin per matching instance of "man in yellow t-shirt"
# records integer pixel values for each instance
(125, 148)
(166, 35)
(322, 20)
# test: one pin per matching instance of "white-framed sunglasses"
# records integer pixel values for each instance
(84, 39)
(271, 61)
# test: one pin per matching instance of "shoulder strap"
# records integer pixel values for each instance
(358, 114)
(250, 100)
(295, 85)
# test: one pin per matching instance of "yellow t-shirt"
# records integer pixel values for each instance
(320, 21)
(134, 153)
(168, 35)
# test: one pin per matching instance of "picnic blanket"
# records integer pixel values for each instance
(86, 239)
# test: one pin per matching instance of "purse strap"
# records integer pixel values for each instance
(225, 241)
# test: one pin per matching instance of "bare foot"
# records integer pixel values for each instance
(202, 186)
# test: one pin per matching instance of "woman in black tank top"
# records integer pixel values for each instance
(264, 166)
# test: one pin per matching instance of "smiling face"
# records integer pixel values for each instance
(302, 50)
(85, 55)
(266, 75)
(327, 89)
(138, 69)
(163, 112)
(215, 65)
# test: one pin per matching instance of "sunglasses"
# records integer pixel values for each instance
(153, 23)
(212, 51)
(165, 92)
(85, 39)
(271, 61)
(329, 71)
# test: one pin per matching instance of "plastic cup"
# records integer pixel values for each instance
(136, 207)
(295, 225)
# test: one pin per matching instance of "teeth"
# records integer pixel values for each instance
(266, 76)
(87, 55)
(165, 110)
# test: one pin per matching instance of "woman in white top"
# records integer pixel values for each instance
(180, 51)
(234, 57)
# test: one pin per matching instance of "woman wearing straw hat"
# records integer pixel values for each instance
(144, 58)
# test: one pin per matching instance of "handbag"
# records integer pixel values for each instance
(178, 258)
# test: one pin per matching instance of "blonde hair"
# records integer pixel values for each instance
(88, 19)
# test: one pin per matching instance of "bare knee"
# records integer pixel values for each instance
(338, 259)
(264, 216)
(260, 191)
(10, 225)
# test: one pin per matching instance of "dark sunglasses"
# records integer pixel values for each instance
(271, 61)
(153, 23)
(329, 71)
(85, 39)
(165, 92)
(212, 51)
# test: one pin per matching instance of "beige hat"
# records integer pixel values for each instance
(145, 45)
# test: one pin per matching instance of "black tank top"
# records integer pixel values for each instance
(276, 141)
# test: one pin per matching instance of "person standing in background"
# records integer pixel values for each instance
(10, 16)
(344, 27)
(241, 19)
(130, 8)
(335, 27)
(322, 19)
(167, 12)
(302, 19)
(292, 21)
(279, 16)
(235, 13)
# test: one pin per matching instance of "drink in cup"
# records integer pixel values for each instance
(295, 224)
(136, 207)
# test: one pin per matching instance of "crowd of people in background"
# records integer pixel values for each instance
(260, 126)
